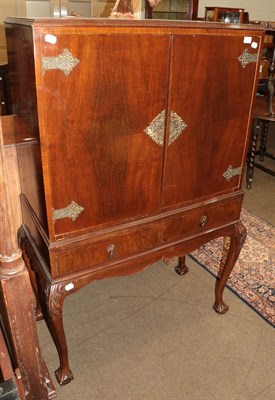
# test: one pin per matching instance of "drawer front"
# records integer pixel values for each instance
(108, 250)
(201, 220)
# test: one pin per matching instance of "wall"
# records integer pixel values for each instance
(8, 8)
(262, 10)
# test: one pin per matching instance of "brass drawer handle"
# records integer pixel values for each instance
(111, 250)
(203, 221)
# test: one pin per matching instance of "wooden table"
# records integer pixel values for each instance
(261, 123)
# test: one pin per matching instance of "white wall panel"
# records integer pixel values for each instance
(36, 9)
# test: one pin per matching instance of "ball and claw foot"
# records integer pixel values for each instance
(221, 308)
(181, 270)
(64, 376)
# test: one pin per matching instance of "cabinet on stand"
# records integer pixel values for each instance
(131, 140)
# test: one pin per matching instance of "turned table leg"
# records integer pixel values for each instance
(55, 300)
(263, 140)
(237, 241)
(50, 296)
(252, 153)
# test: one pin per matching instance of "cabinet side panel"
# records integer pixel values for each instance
(24, 107)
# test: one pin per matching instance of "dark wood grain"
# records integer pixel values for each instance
(144, 196)
(105, 167)
(215, 139)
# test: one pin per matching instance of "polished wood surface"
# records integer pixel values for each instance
(143, 137)
(221, 117)
(106, 24)
(12, 169)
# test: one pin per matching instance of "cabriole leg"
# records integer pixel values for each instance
(237, 241)
(51, 297)
(55, 300)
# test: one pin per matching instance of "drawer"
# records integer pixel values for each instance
(115, 247)
(202, 219)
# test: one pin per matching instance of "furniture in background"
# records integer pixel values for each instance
(26, 374)
(112, 189)
(5, 106)
(270, 85)
(173, 9)
(12, 173)
(263, 116)
(224, 14)
(260, 129)
(268, 25)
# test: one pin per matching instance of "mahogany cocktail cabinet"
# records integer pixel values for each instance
(131, 139)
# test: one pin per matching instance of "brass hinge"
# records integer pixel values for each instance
(245, 58)
(65, 62)
(72, 211)
(230, 172)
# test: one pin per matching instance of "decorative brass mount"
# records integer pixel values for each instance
(156, 128)
(177, 126)
(230, 172)
(245, 58)
(72, 211)
(65, 62)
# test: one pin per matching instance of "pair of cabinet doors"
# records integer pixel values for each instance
(141, 122)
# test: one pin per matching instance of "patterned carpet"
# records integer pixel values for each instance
(253, 277)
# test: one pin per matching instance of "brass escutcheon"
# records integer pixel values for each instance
(111, 250)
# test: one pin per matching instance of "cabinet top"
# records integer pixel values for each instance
(141, 23)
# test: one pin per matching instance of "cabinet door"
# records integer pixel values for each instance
(101, 163)
(211, 93)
